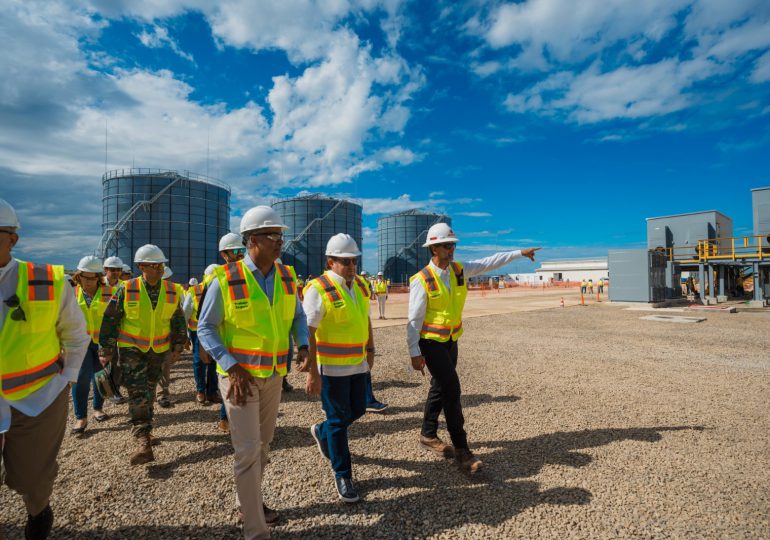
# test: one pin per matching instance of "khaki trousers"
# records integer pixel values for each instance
(29, 453)
(251, 429)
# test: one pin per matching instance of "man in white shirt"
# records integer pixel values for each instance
(436, 300)
(33, 388)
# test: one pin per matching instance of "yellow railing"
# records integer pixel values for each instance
(721, 249)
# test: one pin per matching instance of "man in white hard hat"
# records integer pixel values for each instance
(381, 292)
(114, 270)
(36, 368)
(244, 323)
(144, 320)
(126, 275)
(436, 299)
(341, 354)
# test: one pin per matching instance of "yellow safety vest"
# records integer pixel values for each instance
(142, 326)
(380, 287)
(95, 313)
(195, 293)
(30, 349)
(255, 333)
(343, 333)
(444, 314)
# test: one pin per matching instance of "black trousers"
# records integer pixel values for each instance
(444, 393)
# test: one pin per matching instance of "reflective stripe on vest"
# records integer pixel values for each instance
(262, 361)
(143, 326)
(443, 315)
(380, 287)
(343, 332)
(195, 293)
(95, 312)
(364, 287)
(30, 347)
(236, 281)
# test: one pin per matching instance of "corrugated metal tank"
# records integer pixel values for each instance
(313, 220)
(182, 213)
(400, 238)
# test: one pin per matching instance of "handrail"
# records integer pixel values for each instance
(143, 171)
(304, 231)
(720, 249)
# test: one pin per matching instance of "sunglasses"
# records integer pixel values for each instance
(15, 304)
(153, 266)
(275, 237)
(345, 262)
(238, 251)
(448, 245)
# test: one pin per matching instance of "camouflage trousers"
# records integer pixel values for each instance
(141, 372)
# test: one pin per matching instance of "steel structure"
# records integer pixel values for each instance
(183, 213)
(313, 220)
(400, 238)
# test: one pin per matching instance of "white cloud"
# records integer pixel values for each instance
(158, 38)
(474, 214)
(761, 71)
(405, 202)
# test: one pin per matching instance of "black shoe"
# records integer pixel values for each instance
(287, 387)
(321, 443)
(39, 526)
(164, 402)
(346, 490)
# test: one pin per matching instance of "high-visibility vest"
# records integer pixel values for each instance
(195, 293)
(30, 349)
(380, 287)
(444, 313)
(256, 333)
(343, 333)
(95, 312)
(142, 326)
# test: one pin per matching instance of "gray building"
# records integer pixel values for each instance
(684, 230)
(182, 213)
(313, 220)
(760, 206)
(637, 275)
(400, 237)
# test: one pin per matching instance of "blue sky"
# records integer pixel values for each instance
(541, 122)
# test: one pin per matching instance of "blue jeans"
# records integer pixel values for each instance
(370, 399)
(84, 383)
(344, 402)
(205, 374)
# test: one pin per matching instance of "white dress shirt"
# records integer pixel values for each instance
(315, 311)
(418, 300)
(74, 340)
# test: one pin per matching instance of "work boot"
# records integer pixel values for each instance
(223, 425)
(287, 387)
(154, 441)
(437, 446)
(143, 453)
(39, 526)
(467, 461)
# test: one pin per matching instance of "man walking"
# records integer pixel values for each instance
(244, 324)
(341, 355)
(436, 299)
(43, 341)
(145, 321)
(381, 290)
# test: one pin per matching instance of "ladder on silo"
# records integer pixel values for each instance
(304, 231)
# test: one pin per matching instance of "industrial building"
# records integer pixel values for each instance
(313, 219)
(400, 238)
(702, 244)
(573, 270)
(182, 213)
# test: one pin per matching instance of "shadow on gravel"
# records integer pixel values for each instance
(491, 497)
(164, 471)
(133, 533)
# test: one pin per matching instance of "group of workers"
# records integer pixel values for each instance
(244, 322)
(587, 286)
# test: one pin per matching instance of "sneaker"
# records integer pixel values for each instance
(467, 461)
(376, 406)
(39, 526)
(118, 400)
(346, 490)
(164, 402)
(223, 425)
(200, 398)
(437, 446)
(322, 447)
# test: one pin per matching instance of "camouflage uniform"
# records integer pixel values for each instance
(141, 371)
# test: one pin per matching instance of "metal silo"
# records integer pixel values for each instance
(400, 237)
(182, 213)
(313, 219)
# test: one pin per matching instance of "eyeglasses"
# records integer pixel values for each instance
(88, 278)
(15, 304)
(275, 237)
(345, 262)
(152, 266)
(238, 251)
(447, 245)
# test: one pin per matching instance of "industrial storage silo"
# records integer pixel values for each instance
(182, 213)
(400, 238)
(313, 220)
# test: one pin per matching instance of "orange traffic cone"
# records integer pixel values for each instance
(561, 302)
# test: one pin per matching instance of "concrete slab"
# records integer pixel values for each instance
(717, 309)
(673, 319)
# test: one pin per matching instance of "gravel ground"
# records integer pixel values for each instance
(591, 423)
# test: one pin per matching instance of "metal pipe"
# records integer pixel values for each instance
(757, 283)
(702, 283)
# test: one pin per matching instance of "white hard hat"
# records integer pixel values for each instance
(149, 254)
(193, 282)
(8, 217)
(230, 241)
(167, 273)
(126, 269)
(342, 245)
(379, 273)
(261, 217)
(440, 233)
(363, 272)
(113, 262)
(209, 271)
(90, 263)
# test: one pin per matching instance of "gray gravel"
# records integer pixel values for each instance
(591, 423)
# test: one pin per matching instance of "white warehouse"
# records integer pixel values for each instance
(574, 269)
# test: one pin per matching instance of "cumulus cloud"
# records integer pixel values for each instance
(474, 214)
(157, 37)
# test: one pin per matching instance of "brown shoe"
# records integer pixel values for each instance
(143, 453)
(467, 461)
(437, 446)
(154, 441)
(200, 397)
(223, 425)
(271, 516)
